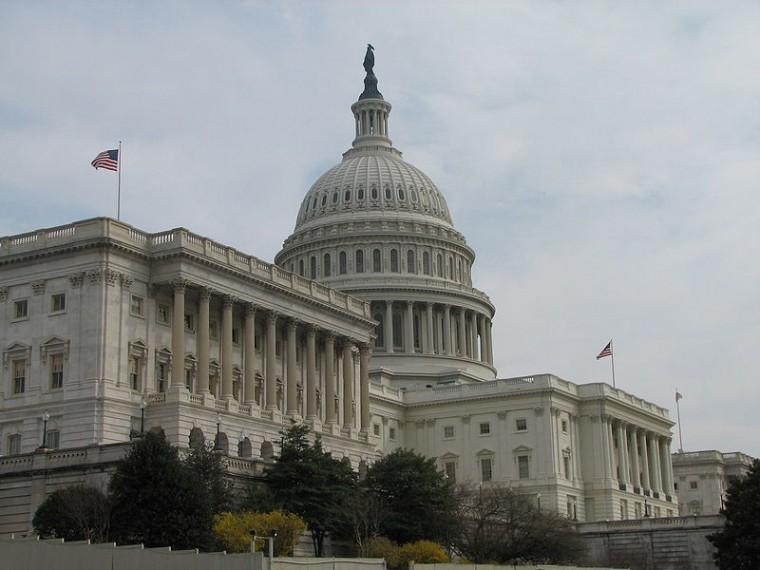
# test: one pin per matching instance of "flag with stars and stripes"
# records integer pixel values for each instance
(606, 351)
(108, 159)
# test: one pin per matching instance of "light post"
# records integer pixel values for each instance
(538, 500)
(143, 403)
(218, 439)
(45, 418)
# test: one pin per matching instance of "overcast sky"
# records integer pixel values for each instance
(603, 159)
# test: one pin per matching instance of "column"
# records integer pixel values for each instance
(439, 327)
(292, 389)
(271, 377)
(473, 335)
(634, 452)
(429, 327)
(202, 340)
(329, 379)
(178, 334)
(664, 460)
(462, 333)
(670, 490)
(364, 385)
(409, 329)
(227, 348)
(388, 326)
(642, 439)
(489, 326)
(250, 354)
(483, 347)
(348, 384)
(622, 454)
(447, 329)
(311, 373)
(611, 440)
(654, 463)
(606, 448)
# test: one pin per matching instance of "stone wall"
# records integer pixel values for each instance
(674, 543)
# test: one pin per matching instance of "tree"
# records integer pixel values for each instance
(74, 513)
(500, 525)
(209, 466)
(365, 513)
(738, 544)
(420, 502)
(235, 530)
(157, 500)
(308, 481)
(422, 552)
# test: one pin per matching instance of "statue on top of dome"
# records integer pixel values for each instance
(370, 81)
(369, 60)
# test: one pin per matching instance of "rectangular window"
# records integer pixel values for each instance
(14, 444)
(213, 330)
(523, 467)
(692, 485)
(566, 462)
(450, 469)
(376, 429)
(486, 469)
(189, 379)
(134, 373)
(189, 323)
(564, 426)
(19, 376)
(20, 309)
(53, 437)
(485, 428)
(58, 302)
(136, 306)
(392, 433)
(448, 432)
(623, 509)
(162, 370)
(637, 510)
(521, 424)
(162, 314)
(56, 371)
(657, 512)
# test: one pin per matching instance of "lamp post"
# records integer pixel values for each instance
(538, 500)
(218, 439)
(45, 418)
(143, 403)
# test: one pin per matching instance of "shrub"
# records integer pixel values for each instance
(234, 530)
(381, 547)
(74, 513)
(422, 552)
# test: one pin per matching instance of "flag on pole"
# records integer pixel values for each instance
(606, 351)
(679, 396)
(108, 159)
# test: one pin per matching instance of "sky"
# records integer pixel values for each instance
(602, 158)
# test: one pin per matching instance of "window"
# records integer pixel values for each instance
(572, 507)
(426, 263)
(392, 433)
(360, 194)
(213, 330)
(692, 485)
(485, 428)
(387, 193)
(300, 268)
(658, 512)
(136, 306)
(440, 265)
(14, 444)
(235, 335)
(161, 376)
(523, 467)
(53, 439)
(450, 470)
(411, 266)
(486, 469)
(189, 379)
(20, 309)
(377, 265)
(359, 261)
(401, 194)
(58, 303)
(347, 196)
(19, 376)
(189, 323)
(162, 314)
(623, 509)
(564, 426)
(56, 371)
(342, 263)
(313, 267)
(675, 486)
(326, 265)
(521, 424)
(566, 464)
(335, 197)
(324, 200)
(448, 432)
(394, 260)
(134, 373)
(374, 193)
(376, 429)
(451, 268)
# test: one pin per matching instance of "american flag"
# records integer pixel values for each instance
(606, 351)
(679, 396)
(108, 159)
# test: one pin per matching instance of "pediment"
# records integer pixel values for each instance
(486, 451)
(522, 449)
(449, 455)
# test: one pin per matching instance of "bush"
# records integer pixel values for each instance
(381, 547)
(234, 530)
(422, 552)
(74, 513)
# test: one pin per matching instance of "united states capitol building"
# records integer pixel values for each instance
(367, 327)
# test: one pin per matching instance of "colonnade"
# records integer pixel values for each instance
(434, 328)
(329, 343)
(641, 457)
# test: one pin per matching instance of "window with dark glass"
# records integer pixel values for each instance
(394, 261)
(359, 261)
(377, 263)
(326, 266)
(342, 264)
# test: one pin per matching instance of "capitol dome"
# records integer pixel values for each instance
(378, 228)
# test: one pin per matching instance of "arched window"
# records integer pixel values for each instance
(313, 267)
(324, 200)
(314, 203)
(380, 329)
(359, 261)
(401, 195)
(451, 268)
(413, 194)
(326, 266)
(342, 262)
(440, 265)
(387, 193)
(347, 196)
(374, 193)
(300, 268)
(426, 263)
(360, 194)
(377, 262)
(394, 260)
(411, 265)
(459, 270)
(335, 197)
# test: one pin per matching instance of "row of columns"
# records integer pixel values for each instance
(642, 456)
(291, 379)
(437, 330)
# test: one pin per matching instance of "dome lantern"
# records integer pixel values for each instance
(371, 111)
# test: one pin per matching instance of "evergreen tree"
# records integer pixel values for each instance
(419, 502)
(308, 481)
(738, 544)
(209, 466)
(74, 513)
(157, 500)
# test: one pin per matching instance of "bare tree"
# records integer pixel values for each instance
(365, 512)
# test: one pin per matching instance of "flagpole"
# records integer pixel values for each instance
(612, 354)
(118, 192)
(680, 431)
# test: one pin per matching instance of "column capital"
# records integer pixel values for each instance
(204, 293)
(330, 336)
(179, 284)
(429, 304)
(409, 303)
(272, 316)
(250, 309)
(292, 324)
(311, 329)
(228, 301)
(363, 346)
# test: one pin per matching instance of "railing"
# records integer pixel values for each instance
(156, 397)
(196, 399)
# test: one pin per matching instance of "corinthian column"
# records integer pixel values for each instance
(348, 384)
(311, 373)
(292, 406)
(202, 340)
(429, 328)
(178, 334)
(409, 332)
(329, 379)
(447, 329)
(622, 454)
(646, 482)
(388, 326)
(250, 354)
(635, 465)
(483, 350)
(473, 335)
(271, 362)
(364, 385)
(462, 333)
(227, 349)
